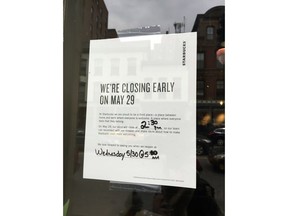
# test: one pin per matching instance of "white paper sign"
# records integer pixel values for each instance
(141, 110)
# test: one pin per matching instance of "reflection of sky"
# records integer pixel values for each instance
(126, 14)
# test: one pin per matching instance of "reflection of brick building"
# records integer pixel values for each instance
(95, 26)
(210, 73)
(83, 21)
(95, 20)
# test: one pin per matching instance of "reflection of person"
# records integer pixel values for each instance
(134, 204)
(177, 201)
(173, 201)
(203, 202)
(198, 166)
(220, 54)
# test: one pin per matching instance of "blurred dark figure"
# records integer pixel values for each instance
(134, 204)
(203, 202)
(173, 201)
(178, 201)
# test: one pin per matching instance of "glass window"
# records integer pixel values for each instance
(220, 84)
(91, 197)
(210, 33)
(98, 64)
(200, 88)
(115, 67)
(84, 66)
(131, 66)
(96, 19)
(82, 92)
(200, 60)
(91, 30)
(220, 89)
(100, 27)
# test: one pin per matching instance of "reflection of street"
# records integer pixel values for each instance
(215, 178)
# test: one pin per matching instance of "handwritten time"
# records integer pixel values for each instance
(153, 154)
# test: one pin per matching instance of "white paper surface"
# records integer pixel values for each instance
(141, 110)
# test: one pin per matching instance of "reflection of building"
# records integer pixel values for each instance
(108, 33)
(147, 30)
(95, 26)
(179, 26)
(146, 60)
(210, 73)
(95, 20)
(83, 20)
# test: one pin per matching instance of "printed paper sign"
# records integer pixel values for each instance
(141, 110)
